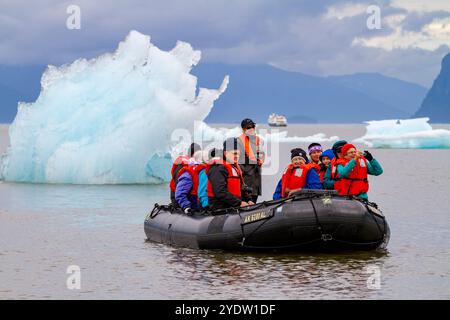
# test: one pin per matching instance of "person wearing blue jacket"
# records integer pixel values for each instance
(312, 183)
(312, 178)
(203, 180)
(202, 188)
(277, 193)
(183, 195)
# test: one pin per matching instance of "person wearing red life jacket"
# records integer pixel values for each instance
(252, 157)
(186, 191)
(225, 180)
(353, 170)
(179, 163)
(299, 175)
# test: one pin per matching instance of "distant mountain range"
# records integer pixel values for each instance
(436, 105)
(256, 91)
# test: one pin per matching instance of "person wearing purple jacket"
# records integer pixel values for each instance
(184, 186)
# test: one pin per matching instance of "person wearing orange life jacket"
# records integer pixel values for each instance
(298, 175)
(353, 170)
(252, 157)
(179, 163)
(225, 181)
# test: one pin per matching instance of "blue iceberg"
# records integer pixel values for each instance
(108, 120)
(410, 133)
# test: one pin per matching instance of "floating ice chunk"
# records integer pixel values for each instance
(410, 133)
(213, 137)
(108, 120)
(282, 136)
(204, 132)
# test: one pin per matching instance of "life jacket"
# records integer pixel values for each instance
(294, 178)
(356, 182)
(234, 178)
(334, 175)
(249, 151)
(193, 171)
(322, 175)
(314, 166)
(178, 164)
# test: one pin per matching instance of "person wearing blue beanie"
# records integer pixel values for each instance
(325, 159)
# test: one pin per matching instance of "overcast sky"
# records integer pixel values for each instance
(311, 36)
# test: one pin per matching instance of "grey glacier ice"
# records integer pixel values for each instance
(108, 120)
(409, 133)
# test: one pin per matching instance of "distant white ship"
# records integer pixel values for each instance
(276, 120)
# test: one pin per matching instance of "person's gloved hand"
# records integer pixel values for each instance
(188, 210)
(368, 155)
(323, 167)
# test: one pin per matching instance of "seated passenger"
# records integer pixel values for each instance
(353, 169)
(298, 175)
(179, 163)
(203, 179)
(325, 159)
(225, 179)
(186, 190)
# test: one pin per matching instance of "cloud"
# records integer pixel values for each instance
(317, 37)
(422, 5)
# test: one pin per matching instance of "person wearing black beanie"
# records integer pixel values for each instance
(298, 152)
(298, 175)
(225, 179)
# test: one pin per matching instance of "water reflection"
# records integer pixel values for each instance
(279, 275)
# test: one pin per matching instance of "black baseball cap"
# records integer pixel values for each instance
(247, 123)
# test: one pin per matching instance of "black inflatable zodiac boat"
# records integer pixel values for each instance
(311, 220)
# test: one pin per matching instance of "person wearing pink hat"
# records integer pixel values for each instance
(353, 170)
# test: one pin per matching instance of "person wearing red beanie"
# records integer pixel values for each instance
(347, 147)
(353, 170)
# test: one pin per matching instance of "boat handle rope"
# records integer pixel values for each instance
(323, 236)
(157, 208)
(155, 211)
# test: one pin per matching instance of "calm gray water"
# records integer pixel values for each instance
(46, 228)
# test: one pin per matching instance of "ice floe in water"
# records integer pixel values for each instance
(410, 133)
(203, 132)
